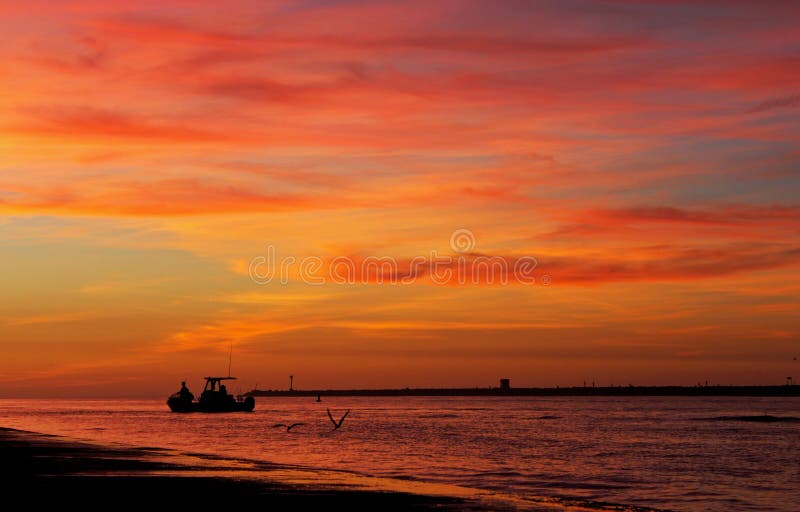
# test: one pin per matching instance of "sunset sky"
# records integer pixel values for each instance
(645, 153)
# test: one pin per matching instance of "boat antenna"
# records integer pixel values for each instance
(230, 357)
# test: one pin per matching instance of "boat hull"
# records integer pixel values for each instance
(177, 404)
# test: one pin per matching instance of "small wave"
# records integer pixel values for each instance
(601, 505)
(603, 454)
(589, 486)
(434, 416)
(548, 417)
(482, 474)
(763, 418)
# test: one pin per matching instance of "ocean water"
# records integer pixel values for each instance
(660, 452)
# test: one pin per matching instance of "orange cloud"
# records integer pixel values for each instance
(77, 122)
(727, 215)
(165, 197)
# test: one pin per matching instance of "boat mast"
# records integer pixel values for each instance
(230, 356)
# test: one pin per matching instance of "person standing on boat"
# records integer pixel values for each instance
(185, 393)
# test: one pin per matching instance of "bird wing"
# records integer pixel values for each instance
(331, 417)
(290, 427)
(343, 417)
(278, 425)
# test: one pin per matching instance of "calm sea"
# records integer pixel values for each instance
(665, 453)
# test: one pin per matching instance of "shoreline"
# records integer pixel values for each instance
(47, 468)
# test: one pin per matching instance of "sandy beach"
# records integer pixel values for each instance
(50, 469)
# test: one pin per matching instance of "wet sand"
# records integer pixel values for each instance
(41, 469)
(48, 469)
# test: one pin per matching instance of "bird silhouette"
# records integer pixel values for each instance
(337, 424)
(288, 427)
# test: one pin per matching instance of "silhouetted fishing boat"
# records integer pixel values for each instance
(215, 398)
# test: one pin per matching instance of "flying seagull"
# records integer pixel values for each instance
(337, 424)
(288, 427)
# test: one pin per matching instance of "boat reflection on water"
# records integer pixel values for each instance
(215, 398)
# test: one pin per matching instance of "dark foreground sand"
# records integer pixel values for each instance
(42, 469)
(39, 470)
